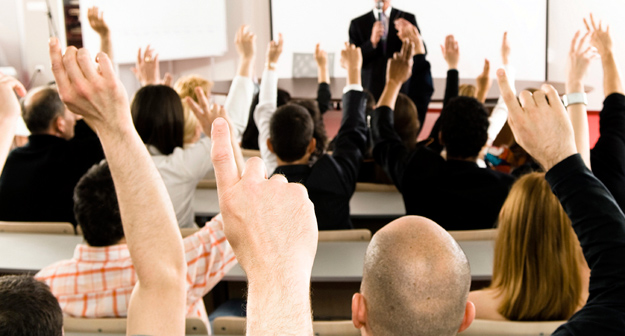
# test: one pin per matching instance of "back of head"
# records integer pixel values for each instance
(467, 90)
(250, 135)
(185, 87)
(406, 120)
(96, 207)
(537, 255)
(28, 308)
(464, 127)
(40, 108)
(291, 129)
(158, 116)
(319, 132)
(416, 280)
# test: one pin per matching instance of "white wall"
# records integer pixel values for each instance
(10, 40)
(565, 19)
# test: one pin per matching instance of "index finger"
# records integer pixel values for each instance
(58, 69)
(507, 93)
(226, 171)
(406, 50)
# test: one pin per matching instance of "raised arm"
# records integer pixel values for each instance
(499, 115)
(484, 82)
(267, 103)
(97, 23)
(241, 91)
(421, 87)
(608, 155)
(157, 304)
(388, 150)
(451, 53)
(148, 70)
(9, 113)
(580, 56)
(351, 140)
(272, 229)
(597, 220)
(323, 78)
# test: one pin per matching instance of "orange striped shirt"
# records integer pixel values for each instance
(98, 281)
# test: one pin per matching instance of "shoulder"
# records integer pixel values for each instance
(364, 18)
(486, 304)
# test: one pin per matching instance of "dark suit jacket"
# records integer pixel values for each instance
(374, 59)
(37, 183)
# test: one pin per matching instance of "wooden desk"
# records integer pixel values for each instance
(329, 267)
(306, 88)
(335, 261)
(364, 204)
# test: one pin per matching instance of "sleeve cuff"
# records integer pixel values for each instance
(352, 87)
(564, 168)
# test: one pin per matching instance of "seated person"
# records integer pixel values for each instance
(438, 304)
(431, 185)
(208, 255)
(38, 179)
(185, 87)
(526, 286)
(28, 308)
(287, 133)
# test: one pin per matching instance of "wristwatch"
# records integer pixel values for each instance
(574, 98)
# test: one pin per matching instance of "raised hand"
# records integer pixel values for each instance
(274, 50)
(321, 57)
(351, 60)
(204, 111)
(580, 57)
(399, 67)
(542, 127)
(377, 32)
(505, 49)
(272, 229)
(409, 31)
(451, 52)
(600, 37)
(484, 82)
(96, 21)
(245, 41)
(147, 69)
(9, 104)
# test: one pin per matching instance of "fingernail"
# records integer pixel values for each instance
(501, 72)
(52, 41)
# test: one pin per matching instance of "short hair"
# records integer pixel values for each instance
(40, 108)
(464, 127)
(158, 116)
(536, 270)
(467, 90)
(249, 139)
(185, 87)
(416, 280)
(319, 132)
(96, 208)
(291, 128)
(28, 308)
(406, 120)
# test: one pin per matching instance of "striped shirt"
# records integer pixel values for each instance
(98, 281)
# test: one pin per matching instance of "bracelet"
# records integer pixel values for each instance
(574, 98)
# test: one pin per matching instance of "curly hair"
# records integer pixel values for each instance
(464, 127)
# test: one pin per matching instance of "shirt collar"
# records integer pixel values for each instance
(85, 252)
(376, 12)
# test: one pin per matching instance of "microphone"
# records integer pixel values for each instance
(379, 5)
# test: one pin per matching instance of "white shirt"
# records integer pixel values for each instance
(267, 105)
(387, 12)
(499, 116)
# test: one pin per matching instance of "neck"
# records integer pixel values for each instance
(303, 161)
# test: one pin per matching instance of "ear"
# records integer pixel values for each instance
(469, 316)
(59, 125)
(312, 146)
(270, 146)
(359, 311)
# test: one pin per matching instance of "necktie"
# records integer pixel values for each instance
(384, 20)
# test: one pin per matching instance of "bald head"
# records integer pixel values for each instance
(42, 108)
(416, 280)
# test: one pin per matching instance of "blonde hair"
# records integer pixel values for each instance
(467, 90)
(185, 86)
(537, 255)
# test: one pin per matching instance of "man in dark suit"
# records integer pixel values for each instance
(377, 35)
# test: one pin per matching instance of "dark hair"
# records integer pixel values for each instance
(464, 127)
(28, 308)
(159, 117)
(319, 132)
(406, 120)
(249, 139)
(291, 129)
(96, 208)
(41, 108)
